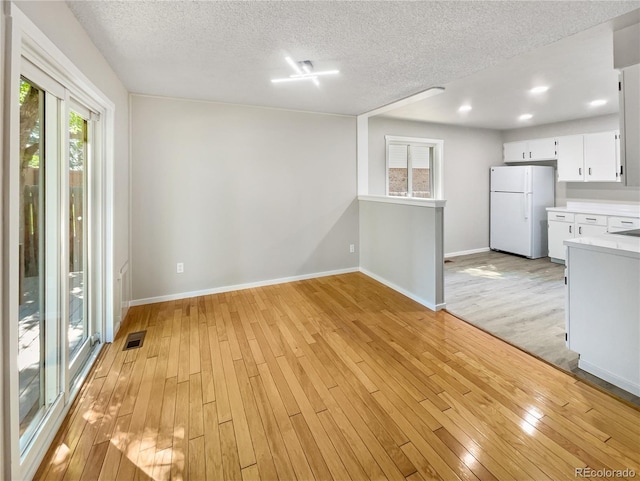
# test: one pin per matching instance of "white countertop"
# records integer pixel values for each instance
(622, 210)
(612, 243)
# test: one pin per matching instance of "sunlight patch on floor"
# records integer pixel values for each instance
(59, 462)
(484, 271)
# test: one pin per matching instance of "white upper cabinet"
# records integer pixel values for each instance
(601, 160)
(542, 149)
(515, 152)
(630, 124)
(581, 158)
(571, 158)
(589, 157)
(530, 150)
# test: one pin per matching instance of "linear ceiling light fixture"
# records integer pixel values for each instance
(303, 71)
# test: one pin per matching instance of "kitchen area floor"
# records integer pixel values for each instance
(519, 300)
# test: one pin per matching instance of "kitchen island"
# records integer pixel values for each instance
(603, 307)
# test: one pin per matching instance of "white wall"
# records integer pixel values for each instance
(59, 24)
(572, 191)
(238, 194)
(401, 246)
(468, 154)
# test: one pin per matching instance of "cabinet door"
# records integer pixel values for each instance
(600, 159)
(515, 152)
(558, 233)
(630, 124)
(570, 158)
(542, 149)
(586, 230)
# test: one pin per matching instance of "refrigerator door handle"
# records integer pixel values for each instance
(525, 205)
(525, 189)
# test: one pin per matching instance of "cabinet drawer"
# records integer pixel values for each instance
(622, 223)
(591, 219)
(561, 216)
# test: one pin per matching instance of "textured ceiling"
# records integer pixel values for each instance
(577, 70)
(385, 51)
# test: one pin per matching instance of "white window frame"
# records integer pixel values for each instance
(26, 42)
(435, 164)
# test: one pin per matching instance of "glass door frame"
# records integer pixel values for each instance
(51, 148)
(27, 44)
(58, 370)
(76, 362)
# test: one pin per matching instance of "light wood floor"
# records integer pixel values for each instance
(519, 300)
(334, 378)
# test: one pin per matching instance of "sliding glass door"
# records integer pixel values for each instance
(32, 256)
(79, 328)
(56, 323)
(57, 238)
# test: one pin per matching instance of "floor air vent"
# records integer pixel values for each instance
(134, 340)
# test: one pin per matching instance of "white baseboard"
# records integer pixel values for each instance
(625, 384)
(282, 280)
(401, 290)
(238, 287)
(466, 253)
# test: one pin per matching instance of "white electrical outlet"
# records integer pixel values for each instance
(352, 248)
(180, 268)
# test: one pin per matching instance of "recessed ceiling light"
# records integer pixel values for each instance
(525, 117)
(539, 90)
(597, 103)
(464, 108)
(303, 71)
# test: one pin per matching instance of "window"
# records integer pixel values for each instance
(413, 167)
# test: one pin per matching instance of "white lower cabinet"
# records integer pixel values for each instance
(603, 312)
(564, 225)
(587, 230)
(589, 225)
(617, 224)
(559, 231)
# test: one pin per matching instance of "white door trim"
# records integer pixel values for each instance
(25, 40)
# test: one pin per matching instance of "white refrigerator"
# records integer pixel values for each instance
(519, 198)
